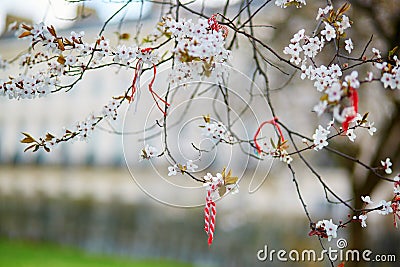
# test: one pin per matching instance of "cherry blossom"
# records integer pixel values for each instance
(371, 128)
(110, 110)
(191, 166)
(320, 107)
(369, 77)
(323, 11)
(286, 3)
(172, 170)
(386, 165)
(85, 128)
(367, 199)
(148, 152)
(352, 80)
(320, 138)
(216, 130)
(349, 45)
(351, 135)
(363, 218)
(385, 207)
(325, 228)
(334, 92)
(329, 32)
(202, 42)
(376, 53)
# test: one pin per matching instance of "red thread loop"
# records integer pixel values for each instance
(275, 124)
(354, 101)
(138, 71)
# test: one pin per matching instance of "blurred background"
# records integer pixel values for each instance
(94, 203)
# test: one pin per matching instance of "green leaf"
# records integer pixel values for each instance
(272, 143)
(393, 51)
(221, 190)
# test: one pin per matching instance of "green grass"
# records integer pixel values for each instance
(29, 254)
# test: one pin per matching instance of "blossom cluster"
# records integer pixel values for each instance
(201, 42)
(383, 207)
(148, 152)
(324, 229)
(327, 79)
(320, 137)
(286, 3)
(188, 167)
(390, 72)
(84, 129)
(64, 56)
(221, 183)
(27, 86)
(276, 151)
(110, 110)
(327, 229)
(215, 130)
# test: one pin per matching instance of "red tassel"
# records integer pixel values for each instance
(354, 101)
(210, 212)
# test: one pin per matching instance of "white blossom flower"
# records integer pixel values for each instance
(335, 71)
(329, 32)
(352, 80)
(86, 127)
(363, 218)
(148, 152)
(388, 80)
(386, 165)
(396, 189)
(285, 3)
(329, 227)
(376, 52)
(190, 166)
(324, 11)
(37, 29)
(297, 37)
(110, 110)
(320, 136)
(367, 199)
(369, 77)
(349, 45)
(386, 207)
(172, 170)
(77, 35)
(351, 135)
(334, 92)
(371, 128)
(70, 60)
(306, 72)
